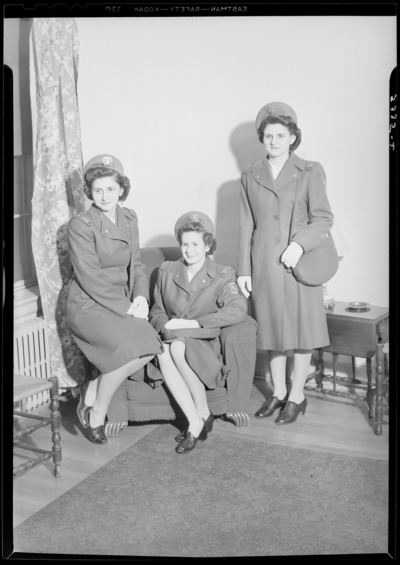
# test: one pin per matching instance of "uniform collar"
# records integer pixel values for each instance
(107, 228)
(262, 172)
(201, 279)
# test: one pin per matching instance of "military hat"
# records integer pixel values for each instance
(105, 160)
(275, 109)
(194, 217)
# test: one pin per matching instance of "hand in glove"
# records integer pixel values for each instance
(292, 254)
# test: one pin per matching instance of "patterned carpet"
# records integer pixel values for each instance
(228, 497)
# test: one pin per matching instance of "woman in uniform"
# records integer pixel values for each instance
(290, 315)
(194, 299)
(107, 303)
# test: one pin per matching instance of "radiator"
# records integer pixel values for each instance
(31, 357)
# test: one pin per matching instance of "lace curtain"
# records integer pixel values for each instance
(58, 181)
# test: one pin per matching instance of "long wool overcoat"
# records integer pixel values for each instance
(107, 275)
(290, 315)
(212, 298)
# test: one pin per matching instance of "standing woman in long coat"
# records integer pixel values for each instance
(107, 303)
(290, 315)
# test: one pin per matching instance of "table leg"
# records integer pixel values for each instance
(320, 370)
(379, 389)
(334, 367)
(370, 390)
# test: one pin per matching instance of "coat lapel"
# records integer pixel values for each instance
(291, 171)
(202, 278)
(179, 276)
(262, 174)
(107, 228)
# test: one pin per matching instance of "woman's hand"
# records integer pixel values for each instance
(245, 286)
(292, 254)
(180, 323)
(140, 308)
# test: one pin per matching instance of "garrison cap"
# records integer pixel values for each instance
(203, 219)
(275, 109)
(105, 160)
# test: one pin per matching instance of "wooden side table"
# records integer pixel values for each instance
(358, 334)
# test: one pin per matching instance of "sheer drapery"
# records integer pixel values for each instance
(58, 181)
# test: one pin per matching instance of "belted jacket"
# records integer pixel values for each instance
(212, 296)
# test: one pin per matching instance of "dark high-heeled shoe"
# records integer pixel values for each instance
(83, 409)
(291, 411)
(96, 435)
(189, 441)
(269, 407)
(209, 423)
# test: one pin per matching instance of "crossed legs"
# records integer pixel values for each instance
(102, 389)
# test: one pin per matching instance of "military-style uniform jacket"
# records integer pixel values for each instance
(107, 275)
(289, 315)
(212, 298)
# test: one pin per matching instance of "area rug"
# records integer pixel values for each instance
(229, 497)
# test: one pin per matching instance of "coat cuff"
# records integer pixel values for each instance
(159, 323)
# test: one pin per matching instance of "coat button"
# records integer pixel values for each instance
(203, 281)
(276, 217)
(295, 175)
(277, 239)
(258, 176)
(105, 231)
(127, 225)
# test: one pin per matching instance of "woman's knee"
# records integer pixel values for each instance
(177, 350)
(165, 357)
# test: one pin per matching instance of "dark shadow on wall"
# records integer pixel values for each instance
(246, 148)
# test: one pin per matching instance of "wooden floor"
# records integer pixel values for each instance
(329, 424)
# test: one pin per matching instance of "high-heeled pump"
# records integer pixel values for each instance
(291, 411)
(189, 442)
(83, 409)
(209, 423)
(96, 435)
(269, 407)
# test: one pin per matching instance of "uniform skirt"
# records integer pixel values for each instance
(108, 340)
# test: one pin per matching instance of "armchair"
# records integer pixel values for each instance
(137, 401)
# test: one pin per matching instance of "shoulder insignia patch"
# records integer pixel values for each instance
(247, 168)
(233, 287)
(310, 165)
(164, 265)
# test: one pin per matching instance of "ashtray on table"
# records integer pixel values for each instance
(358, 306)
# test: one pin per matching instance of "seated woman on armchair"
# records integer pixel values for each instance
(194, 299)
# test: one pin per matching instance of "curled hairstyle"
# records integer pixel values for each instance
(100, 171)
(285, 121)
(197, 227)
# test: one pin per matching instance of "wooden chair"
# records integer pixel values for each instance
(25, 386)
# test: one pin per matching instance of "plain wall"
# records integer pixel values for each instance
(176, 99)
